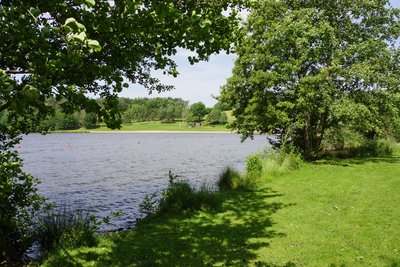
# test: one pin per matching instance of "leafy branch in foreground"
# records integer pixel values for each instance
(19, 202)
(69, 50)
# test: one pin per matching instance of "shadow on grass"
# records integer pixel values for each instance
(393, 263)
(358, 161)
(227, 237)
(390, 261)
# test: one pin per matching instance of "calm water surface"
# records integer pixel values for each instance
(113, 172)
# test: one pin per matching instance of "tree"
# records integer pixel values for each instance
(90, 121)
(19, 201)
(222, 106)
(67, 50)
(159, 109)
(197, 112)
(216, 116)
(302, 62)
(124, 103)
(167, 114)
(223, 119)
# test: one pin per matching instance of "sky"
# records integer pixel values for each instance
(199, 82)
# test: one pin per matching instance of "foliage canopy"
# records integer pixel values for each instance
(69, 49)
(197, 112)
(307, 66)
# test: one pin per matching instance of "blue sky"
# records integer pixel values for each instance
(197, 82)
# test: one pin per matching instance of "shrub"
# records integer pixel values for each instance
(90, 121)
(19, 202)
(248, 181)
(65, 227)
(279, 161)
(254, 170)
(207, 198)
(254, 165)
(178, 197)
(66, 121)
(368, 148)
(228, 179)
(341, 138)
(373, 148)
(216, 116)
(150, 204)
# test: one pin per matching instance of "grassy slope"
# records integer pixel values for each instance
(333, 213)
(157, 126)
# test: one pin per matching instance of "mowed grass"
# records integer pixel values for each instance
(344, 213)
(156, 126)
(329, 213)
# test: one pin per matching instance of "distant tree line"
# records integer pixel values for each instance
(166, 110)
(153, 109)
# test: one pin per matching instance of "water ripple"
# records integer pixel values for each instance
(109, 172)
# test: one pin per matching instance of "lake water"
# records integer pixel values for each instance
(113, 172)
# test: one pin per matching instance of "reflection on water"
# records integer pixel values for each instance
(113, 172)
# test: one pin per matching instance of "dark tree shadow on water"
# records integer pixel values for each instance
(229, 236)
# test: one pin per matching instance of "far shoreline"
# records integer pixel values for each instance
(149, 132)
(162, 132)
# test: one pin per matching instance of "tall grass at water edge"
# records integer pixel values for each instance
(228, 179)
(179, 197)
(259, 166)
(346, 143)
(329, 213)
(372, 148)
(65, 227)
(278, 162)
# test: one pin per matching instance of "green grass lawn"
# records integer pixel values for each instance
(329, 213)
(157, 126)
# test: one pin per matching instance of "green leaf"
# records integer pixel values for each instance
(81, 27)
(74, 25)
(126, 85)
(79, 37)
(46, 32)
(55, 29)
(94, 45)
(90, 3)
(205, 23)
(70, 22)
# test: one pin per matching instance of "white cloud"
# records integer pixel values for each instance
(195, 83)
(198, 82)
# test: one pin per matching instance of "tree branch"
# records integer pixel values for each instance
(17, 72)
(5, 106)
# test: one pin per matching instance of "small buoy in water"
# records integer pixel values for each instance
(68, 145)
(138, 142)
(18, 146)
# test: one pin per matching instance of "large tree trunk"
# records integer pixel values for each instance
(308, 137)
(313, 136)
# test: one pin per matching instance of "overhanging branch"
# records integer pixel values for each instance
(5, 106)
(17, 72)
